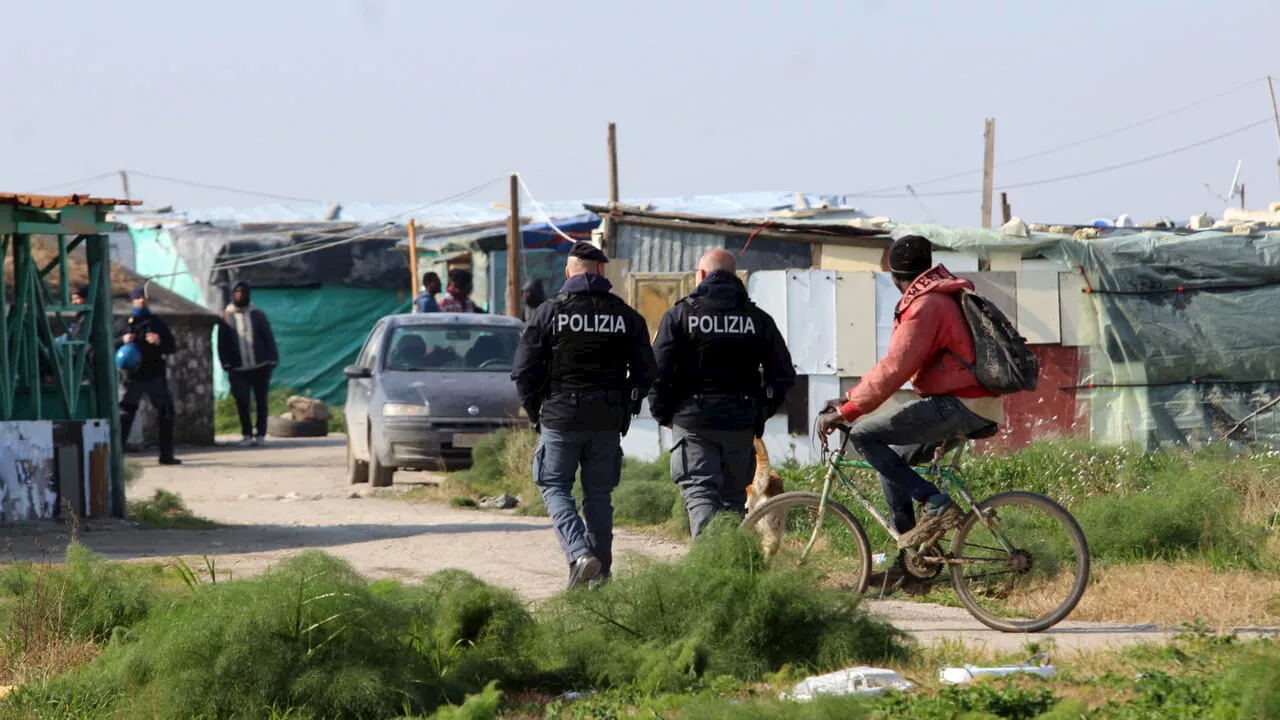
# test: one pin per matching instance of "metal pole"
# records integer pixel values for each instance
(413, 267)
(513, 250)
(98, 253)
(988, 170)
(1274, 113)
(124, 183)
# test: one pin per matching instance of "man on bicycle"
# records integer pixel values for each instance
(932, 348)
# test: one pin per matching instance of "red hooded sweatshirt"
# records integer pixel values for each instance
(927, 324)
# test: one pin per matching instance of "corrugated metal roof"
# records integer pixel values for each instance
(53, 202)
(740, 205)
(653, 250)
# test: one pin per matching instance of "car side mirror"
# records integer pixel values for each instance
(355, 372)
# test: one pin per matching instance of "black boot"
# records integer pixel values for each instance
(166, 443)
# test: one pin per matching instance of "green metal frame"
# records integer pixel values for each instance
(55, 377)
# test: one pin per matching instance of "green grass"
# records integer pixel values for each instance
(226, 419)
(166, 510)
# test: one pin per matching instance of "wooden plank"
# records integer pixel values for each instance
(988, 170)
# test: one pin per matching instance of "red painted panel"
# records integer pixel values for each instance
(1048, 412)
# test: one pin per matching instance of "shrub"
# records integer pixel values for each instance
(166, 510)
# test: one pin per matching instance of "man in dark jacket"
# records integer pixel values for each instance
(247, 351)
(534, 296)
(154, 341)
(583, 366)
(426, 301)
(723, 370)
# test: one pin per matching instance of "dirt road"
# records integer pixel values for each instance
(293, 495)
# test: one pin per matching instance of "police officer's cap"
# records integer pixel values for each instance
(587, 251)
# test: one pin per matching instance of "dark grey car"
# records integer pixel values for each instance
(425, 388)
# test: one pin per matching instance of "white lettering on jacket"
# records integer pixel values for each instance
(578, 322)
(722, 324)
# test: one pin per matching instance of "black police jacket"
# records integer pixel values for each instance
(584, 360)
(153, 363)
(722, 363)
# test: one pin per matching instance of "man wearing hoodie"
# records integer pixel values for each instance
(723, 369)
(247, 351)
(154, 340)
(582, 369)
(534, 296)
(930, 347)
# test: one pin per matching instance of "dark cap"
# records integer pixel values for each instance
(138, 292)
(910, 256)
(82, 291)
(587, 251)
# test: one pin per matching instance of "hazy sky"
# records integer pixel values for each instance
(401, 100)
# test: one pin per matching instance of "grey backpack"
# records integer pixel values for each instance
(1002, 361)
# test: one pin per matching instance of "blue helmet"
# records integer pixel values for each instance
(128, 357)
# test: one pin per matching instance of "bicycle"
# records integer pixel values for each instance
(1038, 565)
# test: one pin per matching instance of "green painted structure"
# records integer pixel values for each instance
(52, 375)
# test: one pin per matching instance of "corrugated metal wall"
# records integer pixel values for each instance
(656, 250)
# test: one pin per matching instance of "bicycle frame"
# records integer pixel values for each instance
(948, 473)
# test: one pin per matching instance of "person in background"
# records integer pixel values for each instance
(458, 299)
(79, 296)
(154, 341)
(247, 351)
(426, 301)
(534, 296)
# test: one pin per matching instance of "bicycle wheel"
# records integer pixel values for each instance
(840, 555)
(1036, 585)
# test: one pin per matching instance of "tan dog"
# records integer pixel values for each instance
(765, 485)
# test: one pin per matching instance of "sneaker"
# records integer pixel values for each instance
(170, 461)
(258, 441)
(583, 570)
(246, 441)
(941, 515)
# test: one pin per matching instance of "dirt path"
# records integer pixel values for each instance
(293, 495)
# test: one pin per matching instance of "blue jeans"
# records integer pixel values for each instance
(893, 442)
(555, 462)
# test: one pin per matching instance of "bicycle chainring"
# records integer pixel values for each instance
(917, 562)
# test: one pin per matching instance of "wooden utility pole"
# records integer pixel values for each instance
(124, 183)
(1241, 196)
(513, 250)
(1274, 113)
(988, 170)
(413, 267)
(613, 163)
(1006, 212)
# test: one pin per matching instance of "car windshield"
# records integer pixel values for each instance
(452, 348)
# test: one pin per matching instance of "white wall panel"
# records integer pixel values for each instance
(768, 290)
(811, 321)
(855, 323)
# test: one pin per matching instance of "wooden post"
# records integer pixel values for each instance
(613, 163)
(124, 184)
(1006, 212)
(988, 170)
(1274, 113)
(513, 250)
(413, 267)
(1241, 196)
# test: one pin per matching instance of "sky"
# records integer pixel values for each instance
(418, 100)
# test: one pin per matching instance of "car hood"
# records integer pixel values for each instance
(450, 393)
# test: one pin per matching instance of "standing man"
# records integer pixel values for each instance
(583, 366)
(154, 341)
(723, 370)
(534, 296)
(458, 298)
(247, 351)
(426, 302)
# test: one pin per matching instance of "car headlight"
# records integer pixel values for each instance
(405, 410)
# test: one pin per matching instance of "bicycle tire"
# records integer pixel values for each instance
(787, 500)
(1078, 541)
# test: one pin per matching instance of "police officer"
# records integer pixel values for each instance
(723, 369)
(583, 366)
(155, 341)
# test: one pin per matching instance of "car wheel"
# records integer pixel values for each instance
(289, 428)
(379, 475)
(357, 471)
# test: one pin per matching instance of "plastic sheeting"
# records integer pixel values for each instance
(320, 331)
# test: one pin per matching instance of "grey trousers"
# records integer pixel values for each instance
(713, 469)
(555, 463)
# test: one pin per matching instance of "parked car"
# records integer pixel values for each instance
(425, 388)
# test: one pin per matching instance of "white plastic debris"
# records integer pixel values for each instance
(968, 673)
(850, 681)
(879, 559)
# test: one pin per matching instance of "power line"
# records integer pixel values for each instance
(223, 188)
(1085, 173)
(83, 181)
(1073, 143)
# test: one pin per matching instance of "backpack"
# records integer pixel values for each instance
(1002, 362)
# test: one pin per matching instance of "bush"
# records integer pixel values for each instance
(166, 510)
(717, 612)
(84, 600)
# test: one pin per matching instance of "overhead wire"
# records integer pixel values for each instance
(83, 181)
(1073, 143)
(223, 188)
(1083, 173)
